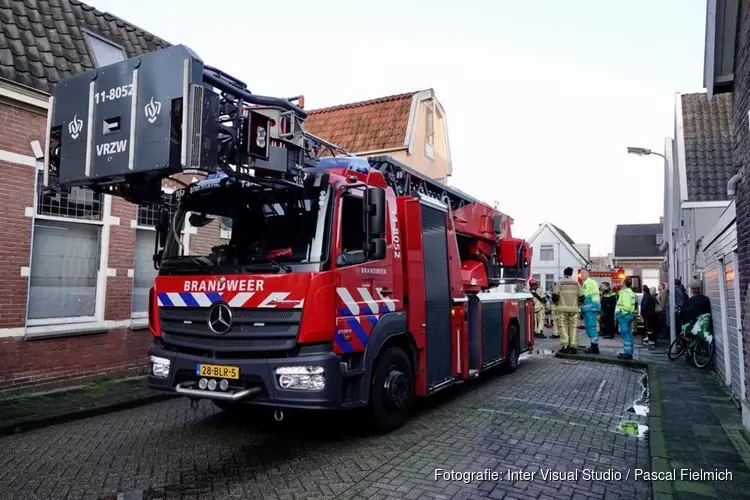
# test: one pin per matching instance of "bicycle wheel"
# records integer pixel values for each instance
(677, 348)
(703, 353)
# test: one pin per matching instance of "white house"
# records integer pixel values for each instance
(554, 250)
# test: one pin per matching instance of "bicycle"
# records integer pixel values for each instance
(700, 350)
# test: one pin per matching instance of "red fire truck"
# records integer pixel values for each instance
(614, 276)
(291, 274)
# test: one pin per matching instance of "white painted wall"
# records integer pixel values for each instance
(721, 286)
(694, 225)
(562, 257)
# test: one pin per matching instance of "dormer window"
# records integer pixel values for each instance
(102, 51)
(429, 134)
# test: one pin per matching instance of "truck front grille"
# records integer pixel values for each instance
(252, 330)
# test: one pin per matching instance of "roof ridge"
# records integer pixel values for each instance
(367, 102)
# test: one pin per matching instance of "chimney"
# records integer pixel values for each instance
(661, 220)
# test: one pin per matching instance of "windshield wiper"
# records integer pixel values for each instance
(287, 268)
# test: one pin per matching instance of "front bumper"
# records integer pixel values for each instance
(257, 378)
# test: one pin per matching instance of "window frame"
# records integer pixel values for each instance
(101, 274)
(140, 227)
(339, 222)
(429, 134)
(542, 249)
(92, 53)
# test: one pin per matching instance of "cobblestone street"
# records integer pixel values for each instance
(548, 415)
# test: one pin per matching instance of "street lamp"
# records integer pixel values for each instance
(668, 220)
(643, 152)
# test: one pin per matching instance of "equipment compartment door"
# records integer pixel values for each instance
(475, 337)
(492, 332)
(438, 303)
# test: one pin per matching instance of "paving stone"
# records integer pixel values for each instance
(547, 415)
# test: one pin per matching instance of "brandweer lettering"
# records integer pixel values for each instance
(228, 285)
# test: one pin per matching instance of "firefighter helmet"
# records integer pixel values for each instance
(532, 281)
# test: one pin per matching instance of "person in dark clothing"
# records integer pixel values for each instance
(696, 305)
(648, 313)
(680, 296)
(662, 307)
(607, 319)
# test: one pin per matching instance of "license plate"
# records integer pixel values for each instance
(218, 371)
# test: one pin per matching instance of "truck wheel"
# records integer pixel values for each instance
(511, 365)
(392, 390)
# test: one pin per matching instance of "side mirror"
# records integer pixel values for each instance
(341, 260)
(376, 249)
(374, 211)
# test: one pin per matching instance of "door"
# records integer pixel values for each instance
(437, 290)
(363, 285)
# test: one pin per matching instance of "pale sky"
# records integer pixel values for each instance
(542, 97)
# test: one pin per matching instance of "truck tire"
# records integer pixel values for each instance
(392, 390)
(511, 365)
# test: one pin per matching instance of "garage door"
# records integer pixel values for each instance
(650, 277)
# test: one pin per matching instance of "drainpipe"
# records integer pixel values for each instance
(732, 183)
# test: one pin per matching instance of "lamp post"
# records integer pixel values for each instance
(668, 223)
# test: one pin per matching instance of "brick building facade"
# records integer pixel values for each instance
(75, 269)
(740, 125)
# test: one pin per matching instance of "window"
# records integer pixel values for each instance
(79, 203)
(65, 255)
(64, 270)
(429, 134)
(102, 51)
(352, 224)
(225, 231)
(547, 253)
(537, 277)
(549, 282)
(144, 272)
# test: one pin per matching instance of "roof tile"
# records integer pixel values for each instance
(41, 40)
(364, 126)
(707, 133)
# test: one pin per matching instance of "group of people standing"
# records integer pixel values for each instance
(597, 304)
(609, 310)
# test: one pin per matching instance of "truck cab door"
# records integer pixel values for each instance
(364, 277)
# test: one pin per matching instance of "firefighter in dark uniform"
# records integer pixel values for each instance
(607, 318)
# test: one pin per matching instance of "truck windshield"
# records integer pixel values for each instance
(249, 228)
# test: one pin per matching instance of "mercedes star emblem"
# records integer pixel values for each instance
(220, 318)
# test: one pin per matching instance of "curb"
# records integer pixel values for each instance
(47, 420)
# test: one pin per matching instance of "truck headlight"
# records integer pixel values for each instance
(304, 378)
(159, 366)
